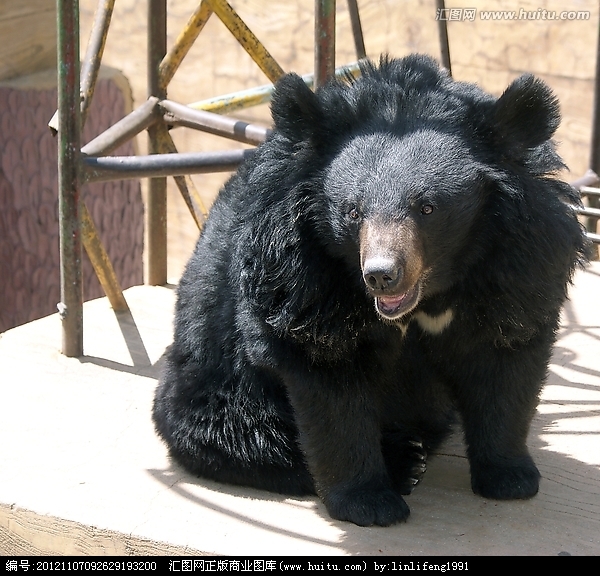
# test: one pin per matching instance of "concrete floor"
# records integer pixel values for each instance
(82, 471)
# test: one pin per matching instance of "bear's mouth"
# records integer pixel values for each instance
(392, 307)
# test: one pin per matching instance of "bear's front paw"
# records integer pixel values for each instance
(367, 506)
(506, 482)
(406, 465)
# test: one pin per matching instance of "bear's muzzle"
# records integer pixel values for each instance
(392, 264)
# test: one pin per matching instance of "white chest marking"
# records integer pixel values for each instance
(430, 324)
(434, 324)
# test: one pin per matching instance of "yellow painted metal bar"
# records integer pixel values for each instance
(101, 262)
(235, 100)
(260, 95)
(187, 189)
(186, 186)
(246, 38)
(184, 42)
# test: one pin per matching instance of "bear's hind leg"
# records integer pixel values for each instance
(238, 432)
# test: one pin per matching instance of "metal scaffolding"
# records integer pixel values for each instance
(91, 163)
(589, 184)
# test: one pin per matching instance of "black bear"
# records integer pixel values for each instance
(398, 251)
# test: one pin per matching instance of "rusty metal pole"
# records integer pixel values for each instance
(443, 34)
(156, 208)
(324, 41)
(93, 56)
(70, 306)
(357, 33)
(246, 39)
(595, 148)
(593, 201)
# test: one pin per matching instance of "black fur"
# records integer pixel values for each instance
(397, 249)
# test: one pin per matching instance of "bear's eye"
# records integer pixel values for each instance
(426, 209)
(353, 213)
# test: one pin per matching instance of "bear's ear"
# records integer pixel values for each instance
(295, 109)
(527, 114)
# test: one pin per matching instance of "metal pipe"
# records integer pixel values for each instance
(260, 95)
(324, 41)
(357, 33)
(93, 56)
(595, 144)
(236, 100)
(588, 179)
(101, 262)
(69, 115)
(186, 187)
(590, 212)
(443, 34)
(179, 115)
(247, 39)
(595, 238)
(156, 205)
(594, 202)
(184, 42)
(593, 216)
(124, 129)
(92, 59)
(588, 191)
(162, 165)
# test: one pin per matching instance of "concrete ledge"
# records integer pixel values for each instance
(83, 472)
(26, 533)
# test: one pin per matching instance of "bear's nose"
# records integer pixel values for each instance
(381, 273)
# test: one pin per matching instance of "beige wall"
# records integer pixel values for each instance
(25, 53)
(491, 53)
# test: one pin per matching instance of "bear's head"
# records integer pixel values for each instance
(403, 208)
(411, 172)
